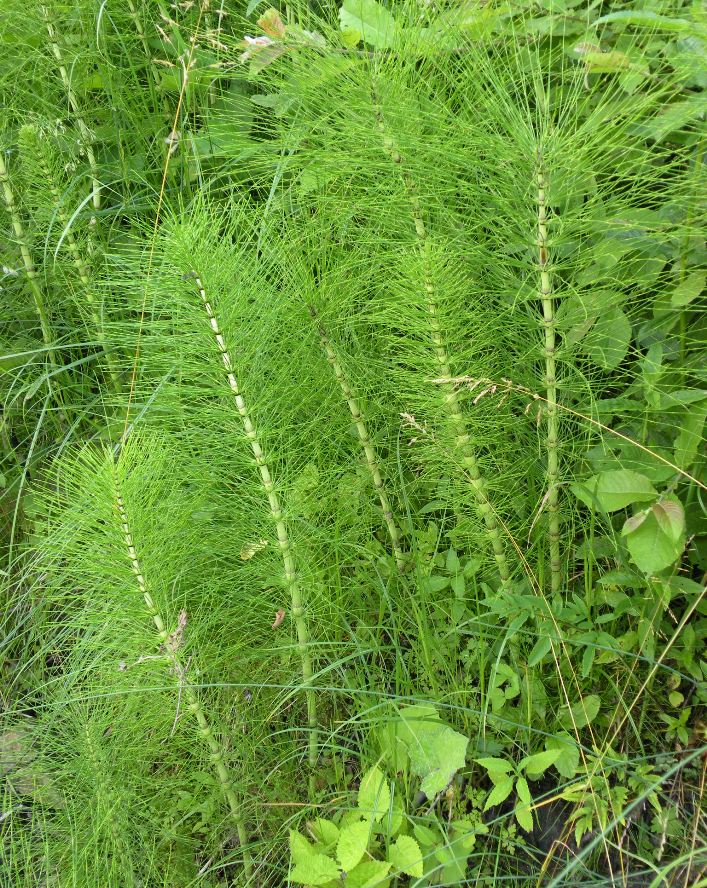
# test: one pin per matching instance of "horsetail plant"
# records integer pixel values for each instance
(462, 439)
(36, 152)
(30, 269)
(478, 222)
(86, 134)
(364, 439)
(170, 644)
(118, 597)
(281, 529)
(550, 408)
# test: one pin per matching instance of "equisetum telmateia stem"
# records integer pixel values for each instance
(79, 263)
(364, 439)
(170, 648)
(551, 440)
(104, 787)
(81, 123)
(27, 261)
(283, 536)
(462, 440)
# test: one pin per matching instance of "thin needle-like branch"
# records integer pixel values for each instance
(278, 517)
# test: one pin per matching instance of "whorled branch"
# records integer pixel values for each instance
(31, 141)
(462, 439)
(74, 105)
(30, 269)
(278, 517)
(365, 441)
(549, 345)
(169, 643)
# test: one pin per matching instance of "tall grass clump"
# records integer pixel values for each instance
(352, 442)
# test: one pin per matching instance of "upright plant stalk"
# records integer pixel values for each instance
(283, 536)
(170, 648)
(32, 141)
(102, 788)
(30, 270)
(462, 439)
(75, 107)
(551, 440)
(365, 441)
(135, 16)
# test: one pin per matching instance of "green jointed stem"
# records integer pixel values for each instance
(553, 469)
(462, 441)
(32, 138)
(170, 648)
(283, 536)
(30, 270)
(104, 792)
(83, 129)
(365, 440)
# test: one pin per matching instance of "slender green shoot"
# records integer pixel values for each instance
(32, 143)
(365, 441)
(283, 536)
(551, 440)
(30, 270)
(462, 440)
(86, 134)
(170, 644)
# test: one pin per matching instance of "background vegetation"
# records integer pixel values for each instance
(352, 374)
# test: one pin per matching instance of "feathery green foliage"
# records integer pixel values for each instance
(352, 431)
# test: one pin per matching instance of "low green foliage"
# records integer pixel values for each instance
(352, 362)
(379, 840)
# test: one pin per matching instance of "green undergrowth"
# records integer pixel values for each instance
(353, 469)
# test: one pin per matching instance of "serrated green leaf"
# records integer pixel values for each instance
(325, 831)
(646, 18)
(465, 833)
(352, 844)
(426, 836)
(582, 713)
(318, 869)
(567, 761)
(608, 340)
(373, 794)
(500, 792)
(371, 20)
(689, 438)
(535, 765)
(497, 768)
(609, 491)
(300, 848)
(435, 583)
(688, 289)
(406, 856)
(540, 649)
(523, 816)
(452, 564)
(658, 540)
(670, 516)
(368, 874)
(435, 750)
(675, 117)
(523, 791)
